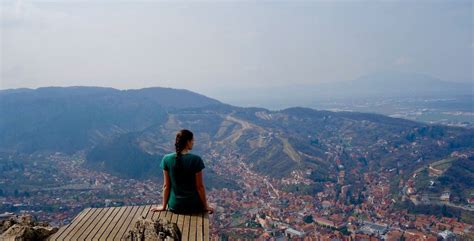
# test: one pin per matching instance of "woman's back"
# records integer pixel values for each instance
(184, 196)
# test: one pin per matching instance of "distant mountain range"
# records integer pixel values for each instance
(126, 132)
(384, 84)
(397, 84)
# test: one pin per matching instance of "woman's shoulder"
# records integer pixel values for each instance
(170, 155)
(188, 155)
(194, 156)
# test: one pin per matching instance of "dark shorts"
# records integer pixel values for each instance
(196, 207)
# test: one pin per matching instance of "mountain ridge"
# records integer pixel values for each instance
(292, 139)
(88, 114)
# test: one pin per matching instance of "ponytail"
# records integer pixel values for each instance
(182, 138)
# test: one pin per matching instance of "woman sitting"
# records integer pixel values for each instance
(183, 186)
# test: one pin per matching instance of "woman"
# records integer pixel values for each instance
(183, 187)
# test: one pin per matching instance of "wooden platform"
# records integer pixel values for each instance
(114, 222)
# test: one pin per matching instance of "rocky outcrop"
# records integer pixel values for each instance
(24, 228)
(147, 229)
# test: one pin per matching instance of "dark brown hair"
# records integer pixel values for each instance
(182, 138)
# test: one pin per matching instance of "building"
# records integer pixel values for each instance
(290, 233)
(447, 235)
(373, 228)
(445, 197)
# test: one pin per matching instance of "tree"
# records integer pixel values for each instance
(223, 237)
(308, 219)
(445, 212)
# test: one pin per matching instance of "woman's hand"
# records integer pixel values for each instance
(158, 209)
(209, 210)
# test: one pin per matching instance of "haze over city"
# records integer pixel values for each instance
(225, 49)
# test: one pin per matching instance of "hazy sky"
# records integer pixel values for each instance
(212, 46)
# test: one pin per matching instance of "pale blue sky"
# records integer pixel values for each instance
(212, 46)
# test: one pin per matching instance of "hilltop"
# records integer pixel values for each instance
(133, 128)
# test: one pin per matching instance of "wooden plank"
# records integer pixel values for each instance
(88, 227)
(180, 223)
(178, 220)
(174, 219)
(168, 215)
(125, 223)
(186, 224)
(63, 228)
(147, 211)
(206, 227)
(63, 231)
(162, 215)
(151, 213)
(98, 223)
(81, 223)
(199, 226)
(107, 222)
(132, 220)
(192, 228)
(157, 215)
(114, 225)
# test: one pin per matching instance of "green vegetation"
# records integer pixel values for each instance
(457, 178)
(438, 211)
(75, 118)
(124, 157)
(308, 219)
(303, 189)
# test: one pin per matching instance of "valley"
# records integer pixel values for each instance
(294, 172)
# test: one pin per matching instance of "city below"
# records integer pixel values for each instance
(260, 208)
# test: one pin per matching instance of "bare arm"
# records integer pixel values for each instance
(166, 193)
(202, 191)
(166, 188)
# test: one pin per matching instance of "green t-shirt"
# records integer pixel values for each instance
(183, 192)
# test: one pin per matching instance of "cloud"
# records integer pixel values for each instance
(214, 45)
(21, 14)
(402, 61)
